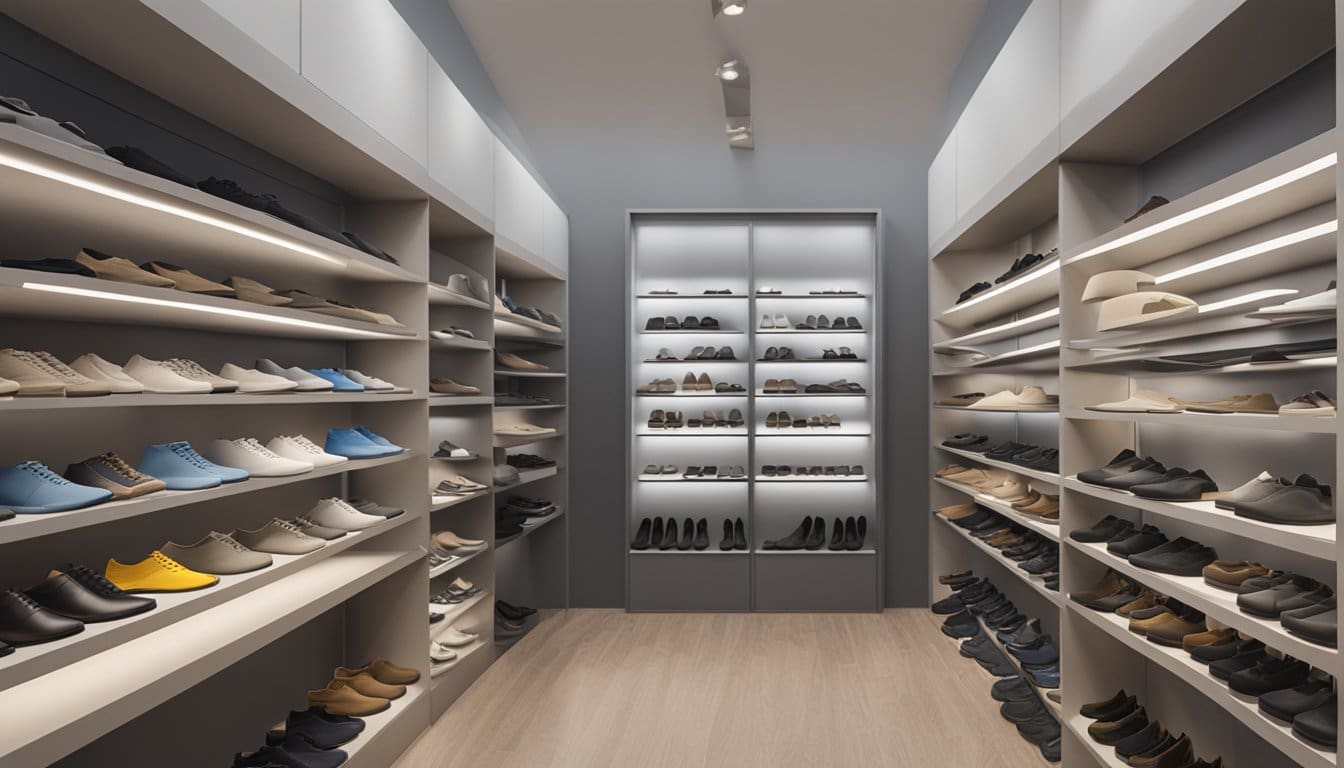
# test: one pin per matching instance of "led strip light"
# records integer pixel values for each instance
(1232, 257)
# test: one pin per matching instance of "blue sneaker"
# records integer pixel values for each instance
(181, 468)
(354, 445)
(339, 381)
(377, 439)
(32, 488)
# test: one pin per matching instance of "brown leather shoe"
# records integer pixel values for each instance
(1141, 626)
(956, 511)
(1146, 599)
(1173, 631)
(1228, 574)
(1211, 637)
(388, 673)
(1006, 539)
(1115, 732)
(1032, 497)
(1111, 583)
(368, 685)
(338, 698)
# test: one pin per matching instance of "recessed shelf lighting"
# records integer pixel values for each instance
(1236, 198)
(100, 188)
(1005, 328)
(1273, 244)
(728, 7)
(729, 71)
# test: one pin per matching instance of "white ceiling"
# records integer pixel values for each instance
(617, 71)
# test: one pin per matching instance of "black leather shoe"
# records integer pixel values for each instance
(669, 538)
(816, 538)
(701, 541)
(1317, 623)
(24, 622)
(79, 593)
(1269, 675)
(1321, 724)
(796, 540)
(641, 541)
(1097, 709)
(726, 543)
(838, 537)
(1108, 528)
(687, 535)
(1288, 703)
(739, 535)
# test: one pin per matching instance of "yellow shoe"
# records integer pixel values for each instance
(157, 573)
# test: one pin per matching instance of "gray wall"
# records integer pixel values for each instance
(1001, 16)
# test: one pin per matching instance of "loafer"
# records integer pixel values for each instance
(1254, 489)
(1149, 471)
(1178, 485)
(1145, 538)
(1152, 738)
(1113, 732)
(1224, 669)
(1319, 725)
(1107, 528)
(1181, 557)
(1269, 603)
(1121, 464)
(1286, 704)
(1098, 710)
(1305, 502)
(1316, 623)
(1270, 674)
(1230, 574)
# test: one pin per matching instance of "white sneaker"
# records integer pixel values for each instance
(247, 453)
(159, 379)
(31, 373)
(782, 321)
(336, 513)
(455, 638)
(256, 382)
(300, 448)
(107, 373)
(195, 371)
(307, 382)
(438, 652)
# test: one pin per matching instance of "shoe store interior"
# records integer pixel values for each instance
(677, 383)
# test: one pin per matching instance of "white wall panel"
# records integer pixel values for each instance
(1109, 49)
(461, 146)
(363, 55)
(943, 189)
(1014, 109)
(519, 202)
(273, 23)
(555, 238)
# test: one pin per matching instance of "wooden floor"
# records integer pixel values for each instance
(606, 688)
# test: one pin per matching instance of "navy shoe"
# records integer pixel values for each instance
(340, 383)
(181, 468)
(32, 488)
(1043, 677)
(300, 752)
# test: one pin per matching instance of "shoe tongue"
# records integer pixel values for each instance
(1306, 481)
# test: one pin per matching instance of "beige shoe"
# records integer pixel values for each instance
(450, 542)
(252, 291)
(510, 360)
(106, 373)
(1141, 308)
(950, 469)
(1261, 402)
(187, 281)
(450, 387)
(8, 388)
(338, 698)
(968, 476)
(1032, 497)
(388, 673)
(1045, 506)
(961, 401)
(367, 684)
(957, 511)
(41, 374)
(1031, 398)
(1142, 401)
(1011, 489)
(462, 584)
(523, 430)
(108, 267)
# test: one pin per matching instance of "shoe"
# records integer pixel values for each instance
(159, 378)
(973, 290)
(1317, 623)
(323, 730)
(310, 528)
(1305, 502)
(218, 554)
(340, 698)
(339, 382)
(32, 488)
(253, 292)
(300, 448)
(278, 537)
(24, 622)
(1148, 471)
(1178, 485)
(1141, 540)
(1181, 557)
(373, 508)
(355, 445)
(1108, 528)
(253, 382)
(1142, 401)
(1111, 584)
(1269, 603)
(185, 280)
(337, 513)
(306, 381)
(739, 535)
(1261, 402)
(1113, 732)
(374, 384)
(798, 539)
(1313, 403)
(1031, 398)
(1269, 675)
(1111, 709)
(82, 594)
(106, 374)
(1123, 462)
(189, 369)
(1256, 488)
(1287, 703)
(1319, 725)
(15, 110)
(1012, 689)
(157, 573)
(1230, 574)
(109, 471)
(41, 374)
(514, 362)
(247, 453)
(1175, 628)
(181, 468)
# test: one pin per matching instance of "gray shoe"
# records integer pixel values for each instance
(218, 554)
(372, 508)
(1305, 502)
(317, 531)
(1254, 489)
(16, 110)
(279, 538)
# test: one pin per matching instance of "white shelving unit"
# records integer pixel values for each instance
(744, 252)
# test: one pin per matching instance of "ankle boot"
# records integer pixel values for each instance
(701, 541)
(796, 540)
(837, 536)
(817, 538)
(687, 534)
(643, 535)
(863, 530)
(669, 540)
(852, 542)
(727, 542)
(739, 535)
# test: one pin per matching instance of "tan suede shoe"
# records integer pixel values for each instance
(1146, 599)
(957, 511)
(109, 267)
(338, 698)
(368, 685)
(386, 672)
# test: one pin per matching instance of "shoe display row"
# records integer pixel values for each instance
(689, 383)
(1313, 403)
(74, 595)
(31, 487)
(697, 472)
(1005, 486)
(711, 352)
(1020, 266)
(772, 354)
(847, 535)
(782, 420)
(816, 470)
(1030, 551)
(1028, 398)
(661, 419)
(529, 461)
(519, 513)
(1121, 722)
(1302, 501)
(41, 374)
(523, 429)
(689, 323)
(505, 306)
(518, 398)
(513, 362)
(790, 387)
(812, 323)
(975, 608)
(1026, 455)
(660, 533)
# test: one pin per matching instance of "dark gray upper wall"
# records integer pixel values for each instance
(1001, 16)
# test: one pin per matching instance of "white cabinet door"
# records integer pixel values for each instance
(943, 189)
(555, 240)
(362, 54)
(519, 202)
(461, 146)
(1015, 108)
(273, 23)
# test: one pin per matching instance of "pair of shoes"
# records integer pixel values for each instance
(689, 323)
(660, 533)
(811, 535)
(68, 598)
(816, 470)
(363, 691)
(778, 353)
(360, 443)
(712, 472)
(309, 739)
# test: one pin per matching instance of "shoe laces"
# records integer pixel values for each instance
(305, 444)
(188, 453)
(52, 366)
(287, 526)
(252, 445)
(43, 472)
(93, 579)
(167, 563)
(228, 541)
(187, 368)
(119, 464)
(26, 600)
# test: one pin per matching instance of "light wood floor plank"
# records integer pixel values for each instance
(606, 688)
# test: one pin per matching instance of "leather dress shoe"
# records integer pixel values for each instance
(1317, 623)
(1113, 732)
(1320, 725)
(1141, 540)
(64, 592)
(1106, 529)
(1288, 703)
(24, 622)
(1269, 675)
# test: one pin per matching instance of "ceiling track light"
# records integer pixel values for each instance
(728, 7)
(731, 71)
(735, 81)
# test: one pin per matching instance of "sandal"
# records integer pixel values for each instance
(657, 419)
(771, 387)
(735, 418)
(771, 353)
(788, 386)
(772, 420)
